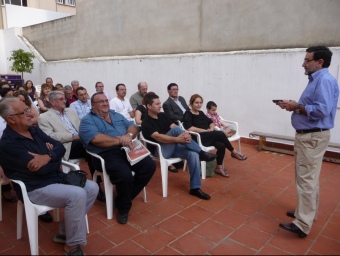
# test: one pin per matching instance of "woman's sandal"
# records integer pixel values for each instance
(223, 172)
(238, 156)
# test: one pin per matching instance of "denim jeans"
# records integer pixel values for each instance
(188, 151)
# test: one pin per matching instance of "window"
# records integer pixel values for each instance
(67, 2)
(15, 2)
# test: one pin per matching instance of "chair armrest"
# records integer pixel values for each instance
(73, 167)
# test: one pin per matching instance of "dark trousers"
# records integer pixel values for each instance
(78, 151)
(219, 140)
(120, 172)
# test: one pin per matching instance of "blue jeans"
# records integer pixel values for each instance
(188, 151)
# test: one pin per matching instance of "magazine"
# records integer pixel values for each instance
(136, 152)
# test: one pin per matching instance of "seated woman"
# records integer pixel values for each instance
(43, 101)
(31, 91)
(195, 120)
(23, 96)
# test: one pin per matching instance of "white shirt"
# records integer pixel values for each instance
(122, 107)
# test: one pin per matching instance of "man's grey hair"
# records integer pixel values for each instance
(54, 94)
(74, 81)
(5, 108)
(67, 88)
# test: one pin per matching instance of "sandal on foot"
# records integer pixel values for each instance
(59, 239)
(238, 156)
(76, 251)
(223, 172)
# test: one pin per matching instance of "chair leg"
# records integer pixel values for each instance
(56, 214)
(185, 165)
(239, 145)
(204, 169)
(109, 198)
(20, 213)
(144, 190)
(164, 173)
(87, 224)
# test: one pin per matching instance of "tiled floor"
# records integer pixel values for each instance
(242, 216)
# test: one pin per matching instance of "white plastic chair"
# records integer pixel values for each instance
(108, 186)
(33, 211)
(76, 161)
(204, 148)
(233, 125)
(164, 163)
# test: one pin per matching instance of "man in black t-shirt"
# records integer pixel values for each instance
(175, 142)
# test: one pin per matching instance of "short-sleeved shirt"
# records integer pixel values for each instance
(81, 108)
(121, 106)
(160, 125)
(199, 121)
(136, 100)
(92, 124)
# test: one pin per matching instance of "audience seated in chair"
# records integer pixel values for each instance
(39, 169)
(196, 121)
(104, 132)
(62, 124)
(175, 142)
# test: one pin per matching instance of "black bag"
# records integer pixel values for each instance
(76, 178)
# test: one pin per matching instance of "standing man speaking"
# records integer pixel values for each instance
(312, 118)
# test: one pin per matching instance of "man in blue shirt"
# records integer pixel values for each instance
(312, 118)
(104, 132)
(83, 105)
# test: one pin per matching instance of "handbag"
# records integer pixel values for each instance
(76, 178)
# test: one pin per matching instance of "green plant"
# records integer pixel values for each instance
(22, 61)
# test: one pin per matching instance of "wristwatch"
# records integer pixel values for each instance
(131, 134)
(298, 108)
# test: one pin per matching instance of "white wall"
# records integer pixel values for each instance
(18, 16)
(242, 84)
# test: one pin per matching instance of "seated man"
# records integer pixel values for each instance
(39, 169)
(122, 105)
(83, 105)
(137, 98)
(174, 142)
(70, 97)
(62, 124)
(104, 132)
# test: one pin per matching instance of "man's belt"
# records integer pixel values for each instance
(311, 130)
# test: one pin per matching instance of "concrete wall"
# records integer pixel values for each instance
(134, 27)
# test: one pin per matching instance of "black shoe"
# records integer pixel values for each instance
(101, 196)
(46, 217)
(207, 157)
(293, 228)
(173, 169)
(178, 165)
(291, 214)
(122, 218)
(199, 193)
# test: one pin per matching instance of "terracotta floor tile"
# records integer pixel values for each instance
(177, 225)
(326, 246)
(214, 231)
(271, 250)
(264, 223)
(251, 237)
(230, 218)
(196, 214)
(231, 247)
(192, 244)
(166, 208)
(154, 239)
(127, 248)
(290, 242)
(242, 216)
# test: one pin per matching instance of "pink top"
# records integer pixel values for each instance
(216, 119)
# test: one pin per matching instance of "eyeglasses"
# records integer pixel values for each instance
(62, 99)
(307, 60)
(101, 101)
(26, 110)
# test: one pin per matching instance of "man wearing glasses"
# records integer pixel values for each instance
(62, 124)
(29, 155)
(312, 118)
(175, 106)
(104, 132)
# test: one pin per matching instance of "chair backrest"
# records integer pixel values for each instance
(158, 147)
(233, 125)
